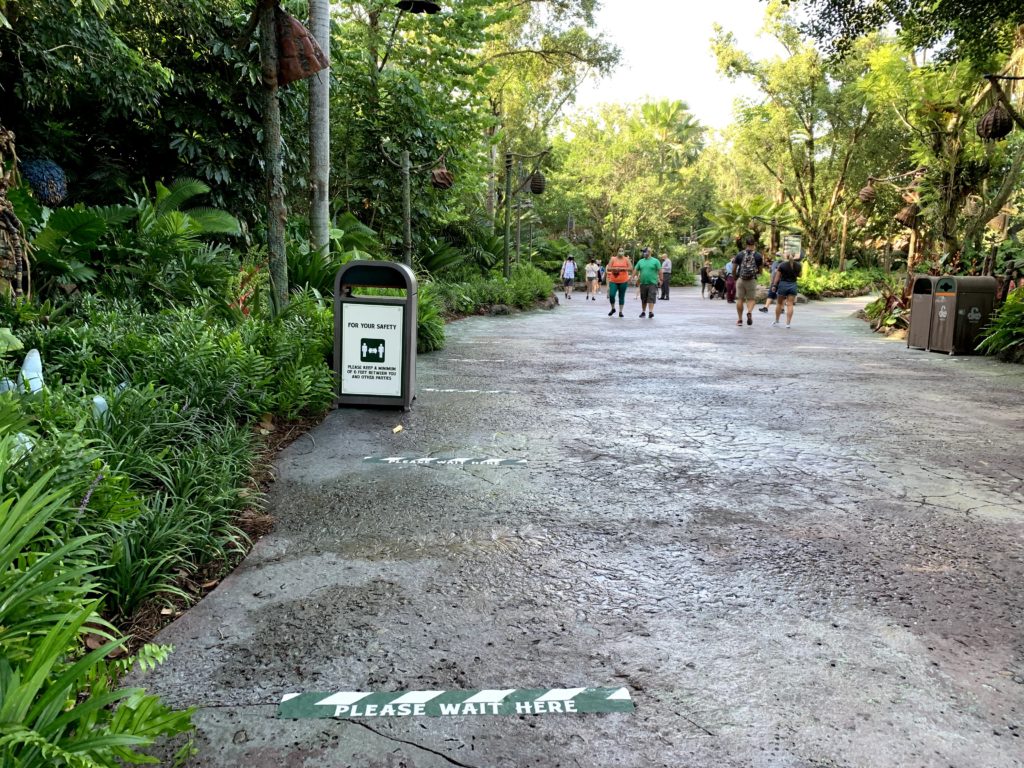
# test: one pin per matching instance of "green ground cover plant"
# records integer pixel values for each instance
(822, 283)
(1005, 335)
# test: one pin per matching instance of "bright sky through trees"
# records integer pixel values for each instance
(666, 53)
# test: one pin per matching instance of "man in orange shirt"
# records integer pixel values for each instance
(618, 271)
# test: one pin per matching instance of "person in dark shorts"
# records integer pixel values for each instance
(648, 276)
(569, 276)
(785, 288)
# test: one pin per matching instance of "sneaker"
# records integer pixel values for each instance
(763, 309)
(775, 324)
(643, 314)
(750, 319)
(620, 313)
(650, 314)
(739, 322)
(787, 326)
(613, 312)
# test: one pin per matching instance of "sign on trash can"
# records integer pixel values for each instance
(375, 336)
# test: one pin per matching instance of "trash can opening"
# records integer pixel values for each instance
(923, 285)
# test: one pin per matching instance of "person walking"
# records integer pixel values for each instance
(730, 282)
(746, 267)
(666, 276)
(771, 282)
(705, 279)
(785, 287)
(617, 273)
(568, 276)
(648, 275)
(593, 273)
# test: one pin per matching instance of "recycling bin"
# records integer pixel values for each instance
(375, 336)
(961, 308)
(921, 311)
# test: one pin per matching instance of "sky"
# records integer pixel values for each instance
(666, 53)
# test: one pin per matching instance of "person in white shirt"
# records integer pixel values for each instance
(666, 275)
(569, 276)
(593, 271)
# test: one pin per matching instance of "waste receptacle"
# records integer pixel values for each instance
(921, 311)
(375, 336)
(961, 307)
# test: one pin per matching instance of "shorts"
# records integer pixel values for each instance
(746, 290)
(786, 288)
(648, 294)
(568, 280)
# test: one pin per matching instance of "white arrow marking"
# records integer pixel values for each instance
(561, 694)
(343, 699)
(417, 697)
(620, 695)
(487, 697)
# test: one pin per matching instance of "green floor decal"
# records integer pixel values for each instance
(437, 461)
(513, 701)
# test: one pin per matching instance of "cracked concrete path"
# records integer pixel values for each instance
(796, 548)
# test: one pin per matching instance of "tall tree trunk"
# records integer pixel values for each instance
(320, 131)
(276, 212)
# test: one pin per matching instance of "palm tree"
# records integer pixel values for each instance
(676, 131)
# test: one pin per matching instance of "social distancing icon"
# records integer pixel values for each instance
(371, 351)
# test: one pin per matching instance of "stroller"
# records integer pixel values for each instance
(717, 286)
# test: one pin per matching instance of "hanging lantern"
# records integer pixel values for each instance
(868, 194)
(298, 54)
(537, 183)
(1000, 222)
(995, 124)
(441, 177)
(418, 6)
(908, 216)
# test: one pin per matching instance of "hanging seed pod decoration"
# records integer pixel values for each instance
(908, 215)
(47, 180)
(538, 183)
(860, 222)
(868, 194)
(298, 54)
(441, 177)
(995, 124)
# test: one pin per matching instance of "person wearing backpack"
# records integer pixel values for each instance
(569, 276)
(747, 266)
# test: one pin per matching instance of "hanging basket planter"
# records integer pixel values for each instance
(441, 177)
(908, 216)
(995, 124)
(298, 54)
(537, 183)
(868, 194)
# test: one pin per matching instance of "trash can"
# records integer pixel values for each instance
(921, 311)
(375, 336)
(961, 307)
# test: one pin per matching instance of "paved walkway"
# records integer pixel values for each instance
(794, 548)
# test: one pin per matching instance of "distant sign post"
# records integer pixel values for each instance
(792, 244)
(375, 336)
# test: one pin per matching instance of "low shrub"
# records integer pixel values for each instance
(1004, 336)
(890, 311)
(821, 283)
(526, 286)
(61, 703)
